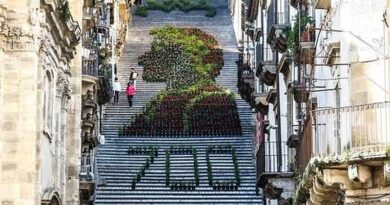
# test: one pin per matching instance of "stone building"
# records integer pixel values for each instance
(263, 83)
(104, 29)
(316, 74)
(344, 140)
(40, 101)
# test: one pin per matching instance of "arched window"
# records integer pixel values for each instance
(55, 200)
(48, 101)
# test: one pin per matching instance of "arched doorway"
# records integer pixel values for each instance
(54, 201)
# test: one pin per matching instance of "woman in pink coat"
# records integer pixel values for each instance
(130, 91)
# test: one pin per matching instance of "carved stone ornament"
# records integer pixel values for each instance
(63, 84)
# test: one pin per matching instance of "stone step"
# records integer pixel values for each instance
(117, 167)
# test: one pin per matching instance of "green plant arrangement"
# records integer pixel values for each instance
(196, 166)
(170, 5)
(225, 185)
(167, 167)
(301, 20)
(181, 184)
(187, 60)
(150, 151)
(142, 11)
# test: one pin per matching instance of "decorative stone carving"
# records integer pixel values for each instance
(63, 85)
(51, 197)
(88, 121)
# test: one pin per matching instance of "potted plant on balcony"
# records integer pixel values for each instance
(302, 20)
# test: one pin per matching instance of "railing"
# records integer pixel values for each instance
(87, 166)
(74, 27)
(269, 157)
(360, 129)
(90, 67)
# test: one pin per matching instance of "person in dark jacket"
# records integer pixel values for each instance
(133, 76)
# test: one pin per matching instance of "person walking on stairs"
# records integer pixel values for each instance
(133, 76)
(130, 91)
(117, 89)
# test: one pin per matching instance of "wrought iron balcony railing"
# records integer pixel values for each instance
(360, 129)
(271, 162)
(87, 166)
(90, 68)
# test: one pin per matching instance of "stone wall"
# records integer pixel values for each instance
(74, 118)
(35, 55)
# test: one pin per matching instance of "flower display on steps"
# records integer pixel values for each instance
(188, 60)
(181, 184)
(150, 151)
(226, 185)
(170, 5)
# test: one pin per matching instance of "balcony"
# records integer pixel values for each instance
(300, 92)
(284, 64)
(333, 53)
(272, 169)
(307, 47)
(266, 71)
(248, 77)
(360, 130)
(246, 82)
(277, 37)
(272, 96)
(87, 168)
(260, 102)
(322, 4)
(90, 70)
(88, 178)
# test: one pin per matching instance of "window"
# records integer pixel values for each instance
(48, 102)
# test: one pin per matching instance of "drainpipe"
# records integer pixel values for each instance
(279, 134)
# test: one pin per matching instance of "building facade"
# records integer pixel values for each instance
(345, 132)
(104, 29)
(40, 103)
(263, 83)
(56, 60)
(316, 75)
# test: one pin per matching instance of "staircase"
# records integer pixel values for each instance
(118, 168)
